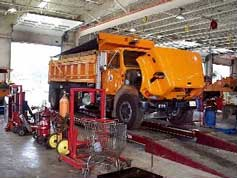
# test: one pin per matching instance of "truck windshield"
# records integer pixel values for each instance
(130, 58)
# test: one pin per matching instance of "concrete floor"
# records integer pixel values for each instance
(21, 157)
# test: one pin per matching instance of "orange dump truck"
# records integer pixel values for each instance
(139, 78)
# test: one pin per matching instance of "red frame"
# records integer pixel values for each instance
(157, 149)
(152, 146)
(15, 112)
(21, 95)
(201, 137)
(73, 158)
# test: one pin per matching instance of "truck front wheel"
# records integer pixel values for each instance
(128, 111)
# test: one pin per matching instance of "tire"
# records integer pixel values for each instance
(34, 135)
(53, 140)
(128, 111)
(21, 131)
(15, 129)
(54, 98)
(62, 147)
(40, 140)
(183, 116)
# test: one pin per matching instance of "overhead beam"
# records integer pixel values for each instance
(232, 37)
(227, 44)
(178, 22)
(93, 17)
(228, 27)
(180, 29)
(121, 6)
(200, 10)
(206, 37)
(201, 31)
(162, 6)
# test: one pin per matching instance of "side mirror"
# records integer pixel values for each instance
(103, 68)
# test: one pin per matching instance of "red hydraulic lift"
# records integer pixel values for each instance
(74, 158)
(154, 147)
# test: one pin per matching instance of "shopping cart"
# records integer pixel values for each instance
(106, 139)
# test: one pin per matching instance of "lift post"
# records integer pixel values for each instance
(73, 158)
(101, 132)
(203, 138)
(154, 147)
(15, 107)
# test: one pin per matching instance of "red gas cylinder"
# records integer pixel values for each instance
(43, 128)
(219, 103)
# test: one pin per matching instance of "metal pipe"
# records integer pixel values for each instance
(184, 22)
(121, 6)
(185, 13)
(162, 6)
(204, 38)
(214, 31)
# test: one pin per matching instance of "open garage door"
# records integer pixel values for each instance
(30, 69)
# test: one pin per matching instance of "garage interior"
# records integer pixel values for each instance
(118, 88)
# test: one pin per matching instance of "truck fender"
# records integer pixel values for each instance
(125, 89)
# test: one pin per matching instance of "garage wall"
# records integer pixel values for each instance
(29, 37)
(5, 52)
(5, 41)
(68, 40)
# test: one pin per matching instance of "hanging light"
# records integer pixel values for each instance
(180, 17)
(12, 10)
(159, 37)
(43, 4)
(132, 30)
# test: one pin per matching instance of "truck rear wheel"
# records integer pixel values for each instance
(181, 117)
(128, 111)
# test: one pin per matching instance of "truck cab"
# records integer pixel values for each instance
(121, 69)
(160, 80)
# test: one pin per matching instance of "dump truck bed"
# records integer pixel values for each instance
(78, 68)
(78, 64)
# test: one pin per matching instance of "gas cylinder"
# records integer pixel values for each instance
(43, 129)
(64, 105)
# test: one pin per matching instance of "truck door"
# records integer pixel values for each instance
(112, 77)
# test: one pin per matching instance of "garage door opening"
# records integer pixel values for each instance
(220, 71)
(30, 69)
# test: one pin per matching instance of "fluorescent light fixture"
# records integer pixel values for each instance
(159, 37)
(180, 17)
(12, 10)
(43, 4)
(132, 30)
(148, 35)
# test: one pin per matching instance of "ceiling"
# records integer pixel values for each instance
(193, 31)
(166, 28)
(44, 24)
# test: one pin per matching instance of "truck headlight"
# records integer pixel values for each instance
(192, 103)
(86, 100)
